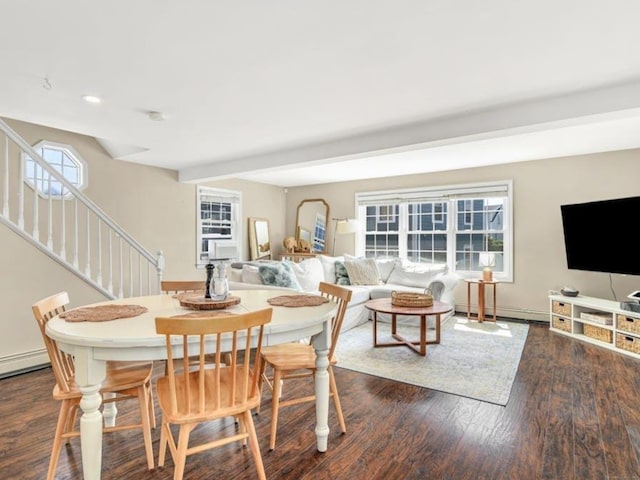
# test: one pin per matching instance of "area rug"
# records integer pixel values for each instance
(475, 360)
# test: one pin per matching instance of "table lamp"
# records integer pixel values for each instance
(487, 260)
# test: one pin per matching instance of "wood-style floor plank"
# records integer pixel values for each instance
(573, 413)
(558, 460)
(589, 455)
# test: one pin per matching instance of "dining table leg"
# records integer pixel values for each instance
(109, 410)
(321, 343)
(89, 375)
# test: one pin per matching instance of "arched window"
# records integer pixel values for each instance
(61, 157)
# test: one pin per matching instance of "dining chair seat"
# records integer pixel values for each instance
(296, 356)
(121, 376)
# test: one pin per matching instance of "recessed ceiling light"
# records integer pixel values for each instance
(157, 116)
(91, 99)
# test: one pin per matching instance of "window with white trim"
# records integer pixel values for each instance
(219, 225)
(64, 159)
(460, 225)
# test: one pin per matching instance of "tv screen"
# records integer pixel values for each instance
(598, 238)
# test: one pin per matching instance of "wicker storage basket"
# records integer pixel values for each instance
(627, 342)
(561, 308)
(561, 324)
(598, 333)
(628, 324)
(408, 299)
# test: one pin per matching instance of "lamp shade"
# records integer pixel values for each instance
(487, 259)
(346, 226)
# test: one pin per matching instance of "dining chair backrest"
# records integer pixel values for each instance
(61, 362)
(179, 286)
(341, 296)
(220, 387)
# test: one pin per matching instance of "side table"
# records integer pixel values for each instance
(480, 316)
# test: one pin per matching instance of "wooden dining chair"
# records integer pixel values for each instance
(182, 286)
(176, 287)
(124, 380)
(298, 360)
(190, 397)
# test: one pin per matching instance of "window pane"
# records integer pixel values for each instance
(486, 217)
(52, 156)
(382, 224)
(63, 161)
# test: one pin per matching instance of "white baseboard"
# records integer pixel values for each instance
(511, 312)
(23, 361)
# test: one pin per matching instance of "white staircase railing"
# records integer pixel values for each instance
(71, 229)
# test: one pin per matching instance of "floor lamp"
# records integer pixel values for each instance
(343, 227)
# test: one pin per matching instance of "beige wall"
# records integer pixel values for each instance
(148, 202)
(539, 187)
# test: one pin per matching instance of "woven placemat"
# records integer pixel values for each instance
(102, 313)
(297, 301)
(205, 314)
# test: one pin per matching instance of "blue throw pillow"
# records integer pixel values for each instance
(278, 275)
(342, 276)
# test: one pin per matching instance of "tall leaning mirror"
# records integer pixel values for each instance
(259, 240)
(311, 223)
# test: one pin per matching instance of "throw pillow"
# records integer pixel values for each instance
(342, 276)
(309, 273)
(362, 271)
(415, 275)
(386, 266)
(329, 267)
(278, 275)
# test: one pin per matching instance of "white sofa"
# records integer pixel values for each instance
(367, 278)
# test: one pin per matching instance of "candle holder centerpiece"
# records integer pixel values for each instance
(216, 293)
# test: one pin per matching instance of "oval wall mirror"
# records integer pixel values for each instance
(311, 223)
(259, 241)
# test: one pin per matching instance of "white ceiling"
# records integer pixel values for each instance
(294, 92)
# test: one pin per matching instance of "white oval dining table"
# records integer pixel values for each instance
(92, 344)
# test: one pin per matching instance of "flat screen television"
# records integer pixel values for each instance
(598, 238)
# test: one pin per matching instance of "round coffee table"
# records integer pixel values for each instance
(384, 305)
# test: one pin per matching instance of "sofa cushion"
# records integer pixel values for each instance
(362, 271)
(235, 274)
(386, 266)
(309, 273)
(359, 294)
(384, 291)
(329, 267)
(250, 275)
(279, 275)
(415, 274)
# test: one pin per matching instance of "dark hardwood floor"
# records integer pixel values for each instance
(573, 414)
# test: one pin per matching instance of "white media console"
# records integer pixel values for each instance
(597, 321)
